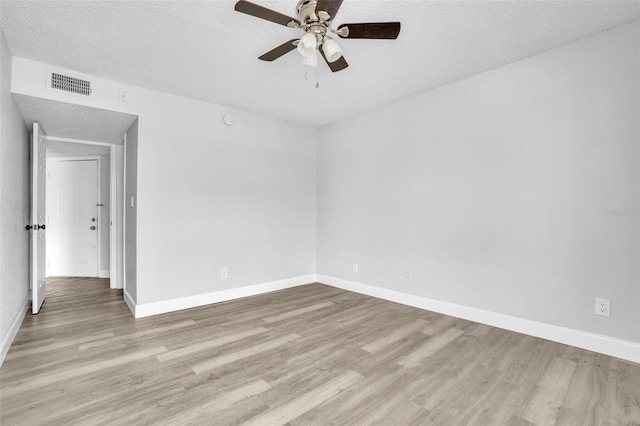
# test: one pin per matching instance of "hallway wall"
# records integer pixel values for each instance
(14, 208)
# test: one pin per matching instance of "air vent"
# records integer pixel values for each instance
(69, 83)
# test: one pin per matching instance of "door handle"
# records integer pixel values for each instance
(93, 228)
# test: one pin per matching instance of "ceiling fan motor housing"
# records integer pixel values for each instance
(307, 11)
(311, 22)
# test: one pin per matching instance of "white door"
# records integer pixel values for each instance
(38, 215)
(72, 222)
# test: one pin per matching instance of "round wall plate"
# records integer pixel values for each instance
(228, 120)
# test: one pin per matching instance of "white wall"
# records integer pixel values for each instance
(117, 252)
(14, 208)
(208, 195)
(494, 190)
(105, 212)
(213, 196)
(130, 211)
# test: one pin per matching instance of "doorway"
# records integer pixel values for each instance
(77, 206)
(83, 225)
(83, 129)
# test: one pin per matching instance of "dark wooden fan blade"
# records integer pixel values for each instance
(329, 6)
(338, 65)
(386, 30)
(264, 13)
(274, 54)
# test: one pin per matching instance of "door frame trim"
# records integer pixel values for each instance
(116, 252)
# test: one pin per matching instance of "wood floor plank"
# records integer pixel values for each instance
(166, 328)
(360, 402)
(59, 345)
(623, 392)
(297, 312)
(104, 395)
(310, 355)
(549, 392)
(214, 343)
(430, 347)
(393, 412)
(244, 353)
(65, 375)
(394, 336)
(478, 385)
(180, 410)
(285, 413)
(440, 324)
(497, 407)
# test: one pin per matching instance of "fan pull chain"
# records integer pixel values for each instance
(306, 76)
(317, 82)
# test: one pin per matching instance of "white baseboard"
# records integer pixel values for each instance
(594, 342)
(104, 273)
(14, 328)
(155, 308)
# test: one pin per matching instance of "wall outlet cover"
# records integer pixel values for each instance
(603, 307)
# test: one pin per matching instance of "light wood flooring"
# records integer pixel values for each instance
(311, 355)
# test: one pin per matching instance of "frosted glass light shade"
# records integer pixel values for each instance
(331, 50)
(307, 45)
(312, 60)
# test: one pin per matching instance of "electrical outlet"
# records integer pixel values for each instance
(224, 273)
(603, 307)
(122, 96)
(407, 273)
(355, 268)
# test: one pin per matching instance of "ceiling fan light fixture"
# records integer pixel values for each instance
(312, 60)
(332, 50)
(307, 45)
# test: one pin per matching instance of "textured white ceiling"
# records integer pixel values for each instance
(72, 121)
(206, 50)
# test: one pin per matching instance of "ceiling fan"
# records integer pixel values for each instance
(315, 17)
